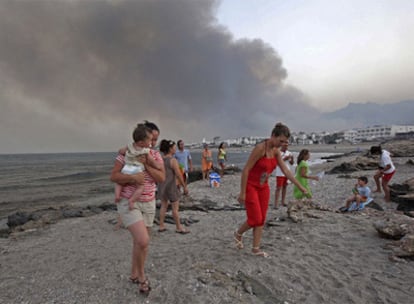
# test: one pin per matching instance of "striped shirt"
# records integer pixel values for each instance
(149, 183)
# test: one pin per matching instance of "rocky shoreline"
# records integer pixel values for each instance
(318, 255)
(341, 164)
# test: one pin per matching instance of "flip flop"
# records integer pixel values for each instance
(182, 231)
(239, 243)
(134, 280)
(343, 209)
(144, 287)
(260, 252)
(162, 230)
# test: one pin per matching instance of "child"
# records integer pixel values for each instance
(133, 153)
(385, 172)
(361, 193)
(281, 179)
(302, 171)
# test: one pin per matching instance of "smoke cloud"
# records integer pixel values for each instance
(78, 75)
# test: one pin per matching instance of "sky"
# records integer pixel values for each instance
(336, 52)
(77, 76)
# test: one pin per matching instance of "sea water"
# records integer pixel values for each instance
(36, 181)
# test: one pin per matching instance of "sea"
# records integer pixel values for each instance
(36, 181)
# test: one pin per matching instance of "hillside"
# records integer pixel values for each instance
(367, 114)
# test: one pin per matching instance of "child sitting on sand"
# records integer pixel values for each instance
(361, 194)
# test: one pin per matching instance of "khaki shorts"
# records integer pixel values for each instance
(141, 212)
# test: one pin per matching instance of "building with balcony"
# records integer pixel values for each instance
(382, 131)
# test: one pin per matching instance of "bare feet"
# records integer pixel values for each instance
(376, 191)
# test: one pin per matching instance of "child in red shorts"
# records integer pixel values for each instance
(281, 179)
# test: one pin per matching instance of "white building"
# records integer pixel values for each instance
(351, 135)
(382, 131)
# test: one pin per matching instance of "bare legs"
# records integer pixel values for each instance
(386, 189)
(141, 238)
(277, 195)
(377, 177)
(257, 237)
(351, 199)
(384, 183)
(163, 211)
(175, 214)
(222, 169)
(206, 174)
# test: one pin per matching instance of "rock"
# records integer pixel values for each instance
(403, 195)
(67, 213)
(4, 228)
(400, 148)
(360, 163)
(407, 245)
(394, 226)
(298, 208)
(403, 248)
(342, 168)
(374, 205)
(23, 221)
(254, 287)
(17, 219)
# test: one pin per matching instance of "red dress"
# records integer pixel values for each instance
(258, 191)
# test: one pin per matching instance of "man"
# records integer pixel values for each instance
(281, 179)
(183, 157)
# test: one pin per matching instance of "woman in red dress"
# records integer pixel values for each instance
(254, 188)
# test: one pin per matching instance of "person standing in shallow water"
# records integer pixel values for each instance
(254, 187)
(139, 220)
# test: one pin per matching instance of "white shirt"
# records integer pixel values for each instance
(386, 160)
(287, 163)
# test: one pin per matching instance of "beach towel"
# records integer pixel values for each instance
(353, 206)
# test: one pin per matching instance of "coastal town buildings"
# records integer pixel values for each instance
(371, 133)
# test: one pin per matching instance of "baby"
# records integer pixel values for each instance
(133, 153)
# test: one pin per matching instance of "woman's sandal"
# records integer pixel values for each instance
(134, 280)
(144, 287)
(258, 252)
(239, 243)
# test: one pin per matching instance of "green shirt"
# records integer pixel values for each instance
(302, 180)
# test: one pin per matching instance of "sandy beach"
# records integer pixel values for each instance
(329, 257)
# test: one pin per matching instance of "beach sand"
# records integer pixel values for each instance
(327, 258)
